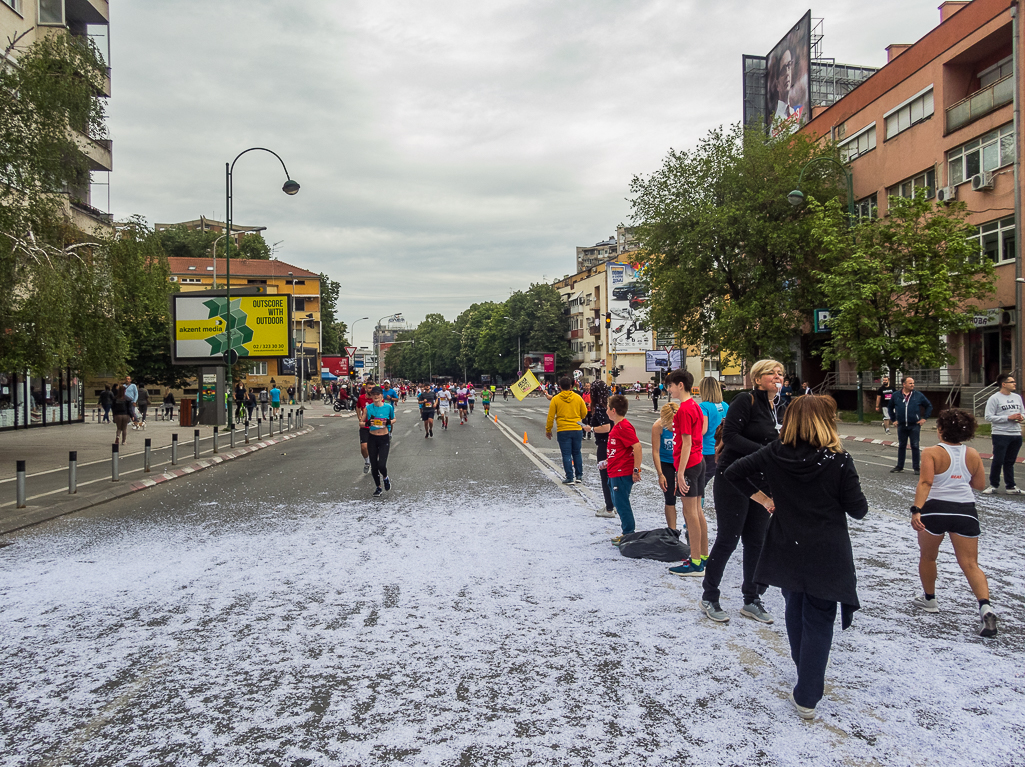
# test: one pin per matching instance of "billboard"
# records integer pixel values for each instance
(336, 366)
(627, 299)
(660, 360)
(260, 327)
(788, 79)
(539, 362)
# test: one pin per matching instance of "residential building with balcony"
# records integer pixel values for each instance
(203, 224)
(27, 21)
(616, 245)
(940, 116)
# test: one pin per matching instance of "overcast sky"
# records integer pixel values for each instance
(449, 151)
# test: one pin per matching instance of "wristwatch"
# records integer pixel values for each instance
(915, 510)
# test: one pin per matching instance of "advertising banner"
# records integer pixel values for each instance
(627, 299)
(539, 362)
(259, 327)
(525, 386)
(336, 366)
(788, 80)
(656, 360)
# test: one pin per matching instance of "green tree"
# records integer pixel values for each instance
(898, 285)
(333, 329)
(730, 261)
(182, 242)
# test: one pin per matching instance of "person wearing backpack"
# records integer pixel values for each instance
(264, 398)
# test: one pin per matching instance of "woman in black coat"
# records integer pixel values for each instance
(813, 487)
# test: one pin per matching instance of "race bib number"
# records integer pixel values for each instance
(378, 423)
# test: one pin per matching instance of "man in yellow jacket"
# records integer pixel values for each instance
(567, 410)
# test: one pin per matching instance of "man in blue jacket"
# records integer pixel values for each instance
(907, 407)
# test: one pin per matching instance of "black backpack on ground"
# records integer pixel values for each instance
(664, 545)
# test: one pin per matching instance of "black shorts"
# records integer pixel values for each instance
(695, 477)
(462, 406)
(364, 435)
(426, 413)
(942, 517)
(670, 493)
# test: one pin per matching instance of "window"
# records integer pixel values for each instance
(300, 304)
(992, 151)
(256, 282)
(996, 72)
(859, 143)
(911, 112)
(907, 188)
(996, 240)
(867, 208)
(51, 12)
(192, 280)
(258, 368)
(15, 4)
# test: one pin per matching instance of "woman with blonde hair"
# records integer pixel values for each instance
(662, 441)
(813, 487)
(749, 425)
(714, 408)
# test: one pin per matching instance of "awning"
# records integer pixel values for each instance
(325, 376)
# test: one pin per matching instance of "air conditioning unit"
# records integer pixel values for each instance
(947, 194)
(982, 182)
(173, 278)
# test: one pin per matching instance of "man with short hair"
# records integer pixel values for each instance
(1005, 411)
(567, 409)
(132, 395)
(689, 426)
(884, 402)
(907, 411)
(427, 399)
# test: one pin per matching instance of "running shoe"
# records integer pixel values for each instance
(929, 605)
(895, 470)
(605, 513)
(756, 611)
(1014, 491)
(617, 540)
(567, 482)
(578, 481)
(432, 431)
(917, 471)
(427, 434)
(989, 490)
(989, 621)
(387, 484)
(366, 468)
(715, 612)
(378, 493)
(804, 712)
(688, 568)
(887, 431)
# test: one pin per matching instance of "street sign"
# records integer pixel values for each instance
(350, 350)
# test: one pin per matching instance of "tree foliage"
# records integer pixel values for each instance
(332, 328)
(730, 260)
(182, 242)
(898, 285)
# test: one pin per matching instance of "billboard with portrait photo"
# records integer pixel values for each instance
(788, 80)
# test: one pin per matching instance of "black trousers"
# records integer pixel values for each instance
(378, 446)
(601, 441)
(1005, 453)
(737, 518)
(810, 631)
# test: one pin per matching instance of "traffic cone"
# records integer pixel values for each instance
(496, 419)
(524, 438)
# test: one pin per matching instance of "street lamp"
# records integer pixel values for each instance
(290, 187)
(797, 199)
(395, 317)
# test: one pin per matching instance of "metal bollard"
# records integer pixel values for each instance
(21, 485)
(259, 424)
(195, 444)
(247, 432)
(216, 428)
(115, 467)
(72, 472)
(290, 420)
(146, 455)
(174, 449)
(233, 435)
(281, 423)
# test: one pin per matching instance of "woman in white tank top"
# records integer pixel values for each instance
(945, 504)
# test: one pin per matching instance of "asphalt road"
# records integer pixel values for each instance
(269, 611)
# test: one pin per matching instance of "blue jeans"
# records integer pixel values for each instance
(1005, 452)
(570, 443)
(621, 487)
(905, 433)
(810, 631)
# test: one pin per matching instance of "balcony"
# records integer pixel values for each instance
(594, 330)
(980, 103)
(86, 12)
(578, 333)
(97, 150)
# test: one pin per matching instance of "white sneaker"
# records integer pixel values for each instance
(989, 621)
(605, 513)
(929, 605)
(802, 711)
(1014, 491)
(989, 490)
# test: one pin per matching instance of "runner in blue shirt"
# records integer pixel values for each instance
(380, 417)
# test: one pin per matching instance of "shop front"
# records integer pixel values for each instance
(28, 401)
(991, 346)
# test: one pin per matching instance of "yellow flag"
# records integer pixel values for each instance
(525, 386)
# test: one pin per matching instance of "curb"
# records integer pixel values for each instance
(34, 516)
(893, 443)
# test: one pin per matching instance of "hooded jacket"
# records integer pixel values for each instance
(567, 410)
(807, 545)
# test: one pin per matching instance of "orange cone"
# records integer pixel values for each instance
(496, 419)
(524, 438)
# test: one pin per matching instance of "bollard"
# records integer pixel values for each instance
(233, 435)
(290, 420)
(259, 424)
(281, 423)
(146, 455)
(195, 444)
(115, 468)
(21, 485)
(72, 472)
(247, 432)
(215, 439)
(174, 449)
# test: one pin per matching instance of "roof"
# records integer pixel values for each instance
(253, 267)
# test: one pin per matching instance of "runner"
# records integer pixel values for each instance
(391, 395)
(505, 393)
(444, 406)
(471, 396)
(380, 417)
(427, 399)
(403, 390)
(944, 503)
(485, 398)
(364, 432)
(462, 403)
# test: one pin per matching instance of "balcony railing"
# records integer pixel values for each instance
(980, 103)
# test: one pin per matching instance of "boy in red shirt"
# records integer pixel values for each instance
(689, 425)
(623, 463)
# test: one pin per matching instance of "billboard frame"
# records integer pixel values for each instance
(793, 42)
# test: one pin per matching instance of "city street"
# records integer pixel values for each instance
(268, 611)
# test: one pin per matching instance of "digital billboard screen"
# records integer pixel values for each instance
(788, 80)
(539, 362)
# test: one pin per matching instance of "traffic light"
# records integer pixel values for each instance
(615, 372)
(608, 320)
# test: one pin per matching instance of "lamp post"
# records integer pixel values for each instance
(290, 187)
(396, 317)
(797, 199)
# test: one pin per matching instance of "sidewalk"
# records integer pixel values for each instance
(873, 432)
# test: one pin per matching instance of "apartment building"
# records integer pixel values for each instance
(940, 116)
(26, 21)
(621, 242)
(203, 224)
